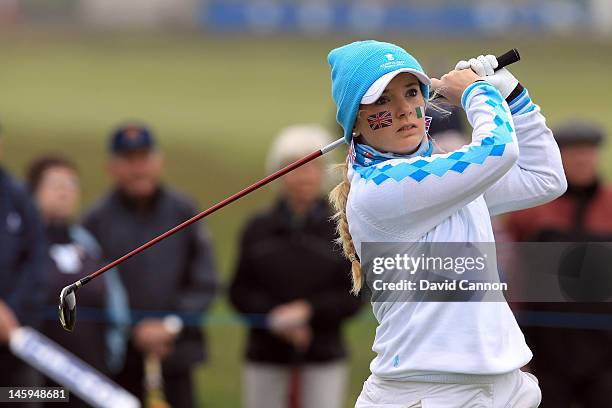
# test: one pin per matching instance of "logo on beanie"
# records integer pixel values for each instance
(392, 62)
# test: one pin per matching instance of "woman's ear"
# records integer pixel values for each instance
(359, 113)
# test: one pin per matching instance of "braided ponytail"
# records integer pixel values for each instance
(338, 198)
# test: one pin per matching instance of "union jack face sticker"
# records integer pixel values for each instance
(380, 120)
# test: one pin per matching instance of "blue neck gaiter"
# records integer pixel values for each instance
(364, 155)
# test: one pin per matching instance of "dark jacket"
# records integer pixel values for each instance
(22, 253)
(176, 276)
(580, 215)
(284, 258)
(103, 315)
(99, 338)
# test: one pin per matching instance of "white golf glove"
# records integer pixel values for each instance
(484, 66)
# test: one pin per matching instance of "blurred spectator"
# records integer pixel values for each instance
(584, 212)
(22, 278)
(447, 129)
(292, 284)
(574, 365)
(72, 254)
(176, 277)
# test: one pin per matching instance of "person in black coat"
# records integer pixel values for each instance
(292, 286)
(73, 253)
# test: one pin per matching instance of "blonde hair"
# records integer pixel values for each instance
(338, 198)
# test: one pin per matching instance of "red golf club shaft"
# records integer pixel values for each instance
(214, 208)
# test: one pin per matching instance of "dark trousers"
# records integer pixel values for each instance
(559, 391)
(178, 387)
(574, 367)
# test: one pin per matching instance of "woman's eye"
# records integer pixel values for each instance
(412, 92)
(381, 101)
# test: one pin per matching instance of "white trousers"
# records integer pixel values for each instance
(516, 389)
(267, 385)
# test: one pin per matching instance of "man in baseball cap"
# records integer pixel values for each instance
(580, 143)
(131, 137)
(583, 212)
(180, 275)
(135, 161)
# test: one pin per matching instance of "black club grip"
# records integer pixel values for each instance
(503, 60)
(508, 58)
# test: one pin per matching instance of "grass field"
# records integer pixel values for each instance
(215, 104)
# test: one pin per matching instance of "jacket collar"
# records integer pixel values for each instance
(287, 218)
(588, 191)
(362, 155)
(139, 206)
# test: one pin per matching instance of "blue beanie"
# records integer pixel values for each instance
(357, 66)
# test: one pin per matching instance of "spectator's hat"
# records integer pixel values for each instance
(295, 142)
(578, 132)
(130, 137)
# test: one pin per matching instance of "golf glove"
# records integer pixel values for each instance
(484, 66)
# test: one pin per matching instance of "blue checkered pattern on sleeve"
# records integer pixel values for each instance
(421, 168)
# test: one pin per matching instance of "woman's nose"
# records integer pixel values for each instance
(403, 109)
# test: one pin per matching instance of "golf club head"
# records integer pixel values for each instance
(67, 307)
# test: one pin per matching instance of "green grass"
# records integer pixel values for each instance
(215, 104)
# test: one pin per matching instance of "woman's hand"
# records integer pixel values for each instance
(484, 66)
(452, 85)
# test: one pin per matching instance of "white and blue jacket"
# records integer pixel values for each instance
(512, 163)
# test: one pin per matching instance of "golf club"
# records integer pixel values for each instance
(67, 298)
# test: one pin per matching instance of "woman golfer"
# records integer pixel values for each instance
(438, 354)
